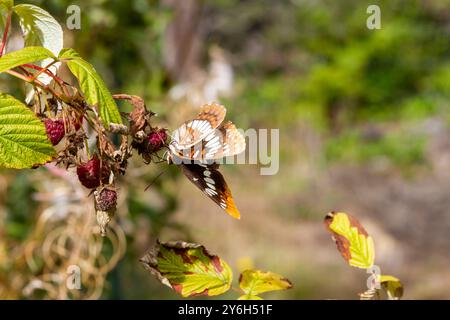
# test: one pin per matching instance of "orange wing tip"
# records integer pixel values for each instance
(234, 213)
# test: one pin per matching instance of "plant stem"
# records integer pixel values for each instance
(38, 83)
(45, 70)
(48, 72)
(5, 33)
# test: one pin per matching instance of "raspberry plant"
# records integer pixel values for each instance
(59, 118)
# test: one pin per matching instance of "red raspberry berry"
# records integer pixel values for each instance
(89, 173)
(55, 130)
(106, 199)
(156, 140)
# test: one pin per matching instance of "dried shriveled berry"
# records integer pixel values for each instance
(89, 173)
(105, 206)
(106, 199)
(156, 140)
(55, 130)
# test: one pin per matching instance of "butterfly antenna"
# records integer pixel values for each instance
(156, 178)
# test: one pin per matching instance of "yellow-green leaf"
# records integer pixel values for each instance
(4, 10)
(23, 139)
(188, 268)
(352, 240)
(254, 282)
(7, 4)
(392, 286)
(249, 297)
(23, 56)
(93, 86)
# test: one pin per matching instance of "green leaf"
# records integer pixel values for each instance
(249, 297)
(7, 4)
(23, 139)
(40, 29)
(352, 240)
(23, 56)
(254, 282)
(188, 268)
(92, 86)
(392, 286)
(3, 17)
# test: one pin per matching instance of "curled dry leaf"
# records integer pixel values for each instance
(352, 240)
(140, 116)
(254, 282)
(392, 286)
(188, 268)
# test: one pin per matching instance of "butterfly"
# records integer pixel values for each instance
(198, 144)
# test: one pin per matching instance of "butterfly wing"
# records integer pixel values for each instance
(223, 142)
(193, 131)
(208, 179)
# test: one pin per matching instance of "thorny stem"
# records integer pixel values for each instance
(43, 70)
(66, 98)
(38, 83)
(63, 98)
(18, 75)
(48, 72)
(61, 83)
(5, 33)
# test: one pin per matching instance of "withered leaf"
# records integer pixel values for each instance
(188, 268)
(352, 240)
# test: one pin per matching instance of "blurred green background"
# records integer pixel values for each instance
(364, 128)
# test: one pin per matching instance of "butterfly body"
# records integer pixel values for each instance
(198, 144)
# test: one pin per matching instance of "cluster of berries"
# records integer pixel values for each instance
(150, 144)
(56, 130)
(97, 173)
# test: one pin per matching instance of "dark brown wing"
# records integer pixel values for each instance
(208, 179)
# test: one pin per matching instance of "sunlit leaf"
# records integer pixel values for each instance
(392, 286)
(3, 17)
(23, 139)
(92, 86)
(352, 240)
(188, 268)
(40, 29)
(254, 282)
(7, 4)
(23, 56)
(249, 297)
